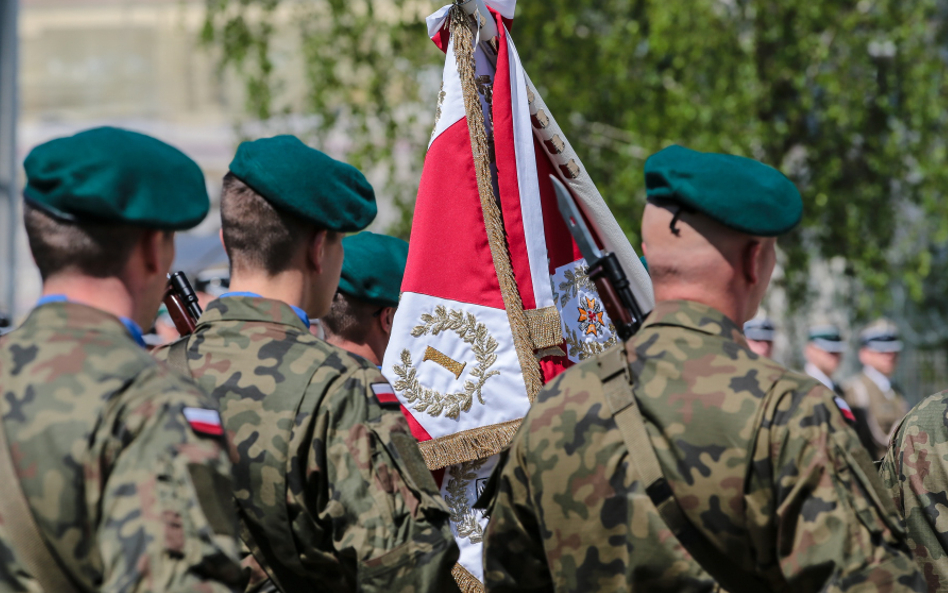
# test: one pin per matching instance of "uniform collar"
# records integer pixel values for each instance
(695, 316)
(882, 382)
(811, 370)
(133, 329)
(299, 312)
(246, 306)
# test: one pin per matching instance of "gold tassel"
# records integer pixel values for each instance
(468, 445)
(467, 582)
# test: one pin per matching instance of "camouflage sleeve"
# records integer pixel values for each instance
(172, 525)
(835, 529)
(915, 474)
(514, 557)
(386, 513)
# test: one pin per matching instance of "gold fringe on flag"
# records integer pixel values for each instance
(468, 445)
(466, 581)
(463, 39)
(546, 330)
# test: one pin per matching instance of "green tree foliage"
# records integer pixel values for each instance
(848, 98)
(363, 70)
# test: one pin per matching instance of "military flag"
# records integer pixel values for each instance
(495, 299)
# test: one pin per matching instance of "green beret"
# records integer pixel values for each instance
(740, 193)
(117, 176)
(298, 179)
(373, 267)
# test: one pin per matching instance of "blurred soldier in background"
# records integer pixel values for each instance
(824, 353)
(733, 460)
(760, 336)
(360, 319)
(871, 395)
(332, 492)
(122, 462)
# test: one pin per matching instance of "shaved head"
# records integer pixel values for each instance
(704, 261)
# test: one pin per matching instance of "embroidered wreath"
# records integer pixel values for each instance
(462, 515)
(433, 402)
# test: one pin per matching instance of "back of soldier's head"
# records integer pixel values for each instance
(350, 319)
(256, 235)
(705, 208)
(280, 192)
(99, 250)
(90, 198)
(370, 281)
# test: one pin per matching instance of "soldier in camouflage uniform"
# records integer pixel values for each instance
(764, 470)
(121, 461)
(332, 491)
(915, 470)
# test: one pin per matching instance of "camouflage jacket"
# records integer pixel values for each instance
(330, 483)
(130, 497)
(915, 470)
(759, 458)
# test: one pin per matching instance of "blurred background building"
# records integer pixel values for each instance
(137, 64)
(130, 63)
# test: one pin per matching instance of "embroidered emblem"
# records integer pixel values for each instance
(571, 169)
(845, 409)
(483, 346)
(441, 96)
(455, 367)
(573, 281)
(485, 86)
(541, 119)
(204, 421)
(590, 316)
(464, 518)
(555, 144)
(385, 394)
(591, 332)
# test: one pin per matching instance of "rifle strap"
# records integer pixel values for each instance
(26, 538)
(613, 371)
(178, 356)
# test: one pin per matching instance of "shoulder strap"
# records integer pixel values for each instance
(25, 534)
(178, 356)
(613, 371)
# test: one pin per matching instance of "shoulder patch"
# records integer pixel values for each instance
(845, 409)
(385, 394)
(204, 421)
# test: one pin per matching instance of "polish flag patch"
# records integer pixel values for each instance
(204, 421)
(845, 409)
(385, 394)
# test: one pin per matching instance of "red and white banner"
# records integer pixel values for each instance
(453, 358)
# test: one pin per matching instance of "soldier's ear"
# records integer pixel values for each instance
(387, 319)
(752, 261)
(316, 251)
(153, 246)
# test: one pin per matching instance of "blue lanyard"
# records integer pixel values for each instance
(131, 326)
(299, 312)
